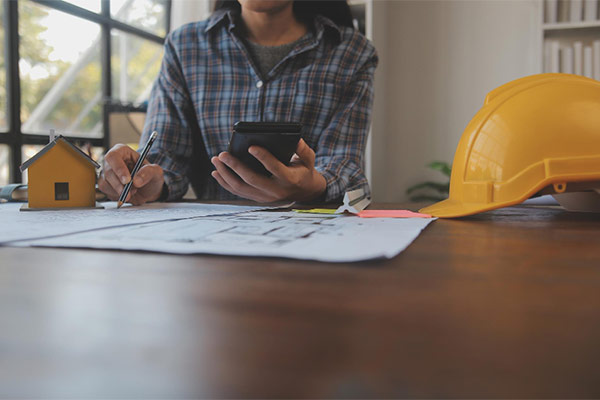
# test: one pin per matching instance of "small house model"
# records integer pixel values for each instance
(60, 175)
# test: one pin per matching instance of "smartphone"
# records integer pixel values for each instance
(279, 138)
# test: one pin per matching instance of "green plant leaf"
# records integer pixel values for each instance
(441, 166)
(442, 188)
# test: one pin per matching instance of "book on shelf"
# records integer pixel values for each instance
(587, 62)
(551, 56)
(550, 9)
(578, 58)
(546, 59)
(566, 60)
(596, 59)
(590, 10)
(563, 11)
(575, 10)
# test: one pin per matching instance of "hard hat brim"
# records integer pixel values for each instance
(452, 209)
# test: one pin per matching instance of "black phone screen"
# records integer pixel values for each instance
(279, 138)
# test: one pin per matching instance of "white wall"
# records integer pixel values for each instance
(184, 11)
(439, 61)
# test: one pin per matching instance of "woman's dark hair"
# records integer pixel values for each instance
(306, 10)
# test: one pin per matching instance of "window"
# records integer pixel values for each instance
(92, 5)
(144, 14)
(27, 152)
(135, 65)
(60, 72)
(74, 57)
(4, 151)
(61, 191)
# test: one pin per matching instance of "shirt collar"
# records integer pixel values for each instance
(219, 16)
(321, 23)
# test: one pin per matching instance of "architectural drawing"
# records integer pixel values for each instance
(334, 238)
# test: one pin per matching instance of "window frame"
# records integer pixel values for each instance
(14, 137)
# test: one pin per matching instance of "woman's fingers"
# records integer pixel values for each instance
(235, 185)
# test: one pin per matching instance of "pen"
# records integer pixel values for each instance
(136, 167)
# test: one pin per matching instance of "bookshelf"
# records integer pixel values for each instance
(571, 37)
(571, 26)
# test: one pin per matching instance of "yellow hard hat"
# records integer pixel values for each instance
(533, 132)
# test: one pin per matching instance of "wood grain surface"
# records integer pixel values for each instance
(501, 304)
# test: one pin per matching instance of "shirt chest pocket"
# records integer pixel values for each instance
(315, 101)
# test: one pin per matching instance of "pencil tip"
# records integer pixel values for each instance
(119, 204)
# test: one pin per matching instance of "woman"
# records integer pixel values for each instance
(256, 60)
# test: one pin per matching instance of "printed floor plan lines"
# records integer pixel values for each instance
(257, 233)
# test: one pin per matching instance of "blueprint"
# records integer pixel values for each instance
(28, 225)
(332, 238)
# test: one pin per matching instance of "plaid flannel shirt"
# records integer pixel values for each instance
(208, 81)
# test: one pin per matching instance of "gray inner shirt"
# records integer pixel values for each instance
(266, 57)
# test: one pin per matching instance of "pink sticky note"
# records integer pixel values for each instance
(391, 214)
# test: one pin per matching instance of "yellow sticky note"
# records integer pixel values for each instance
(317, 211)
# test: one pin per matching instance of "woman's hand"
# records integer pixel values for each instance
(147, 183)
(299, 181)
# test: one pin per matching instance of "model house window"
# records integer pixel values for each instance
(61, 191)
(64, 61)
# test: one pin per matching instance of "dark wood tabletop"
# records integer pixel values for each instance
(501, 304)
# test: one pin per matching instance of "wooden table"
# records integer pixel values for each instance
(502, 304)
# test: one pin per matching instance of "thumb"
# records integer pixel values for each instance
(145, 175)
(305, 154)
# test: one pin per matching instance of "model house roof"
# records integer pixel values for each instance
(50, 145)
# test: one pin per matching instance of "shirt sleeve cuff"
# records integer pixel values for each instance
(337, 187)
(164, 194)
(333, 189)
(176, 186)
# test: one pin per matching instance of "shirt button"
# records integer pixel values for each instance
(259, 84)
